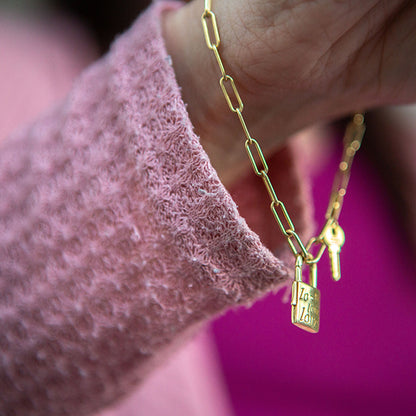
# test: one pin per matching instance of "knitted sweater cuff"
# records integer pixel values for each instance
(116, 235)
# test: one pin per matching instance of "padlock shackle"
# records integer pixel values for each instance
(313, 275)
(298, 268)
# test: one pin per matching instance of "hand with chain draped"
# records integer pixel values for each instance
(294, 63)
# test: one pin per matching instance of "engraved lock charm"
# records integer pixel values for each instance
(306, 299)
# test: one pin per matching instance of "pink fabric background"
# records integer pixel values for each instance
(363, 361)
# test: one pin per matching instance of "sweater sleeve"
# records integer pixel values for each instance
(117, 238)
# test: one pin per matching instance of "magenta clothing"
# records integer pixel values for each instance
(117, 239)
(363, 361)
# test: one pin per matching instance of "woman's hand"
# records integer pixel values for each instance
(294, 63)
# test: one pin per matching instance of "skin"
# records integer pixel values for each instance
(294, 62)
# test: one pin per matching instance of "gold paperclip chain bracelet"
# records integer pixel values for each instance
(305, 297)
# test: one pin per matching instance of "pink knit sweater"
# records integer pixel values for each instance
(117, 238)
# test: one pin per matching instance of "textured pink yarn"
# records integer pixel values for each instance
(116, 236)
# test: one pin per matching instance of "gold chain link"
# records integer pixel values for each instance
(353, 137)
(352, 141)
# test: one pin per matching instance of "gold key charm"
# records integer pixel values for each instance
(334, 239)
(306, 299)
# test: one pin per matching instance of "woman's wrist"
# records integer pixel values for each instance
(290, 71)
(198, 76)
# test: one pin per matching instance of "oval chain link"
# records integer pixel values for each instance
(352, 141)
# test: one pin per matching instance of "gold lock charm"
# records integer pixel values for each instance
(306, 299)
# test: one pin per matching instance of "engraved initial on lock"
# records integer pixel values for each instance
(306, 299)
